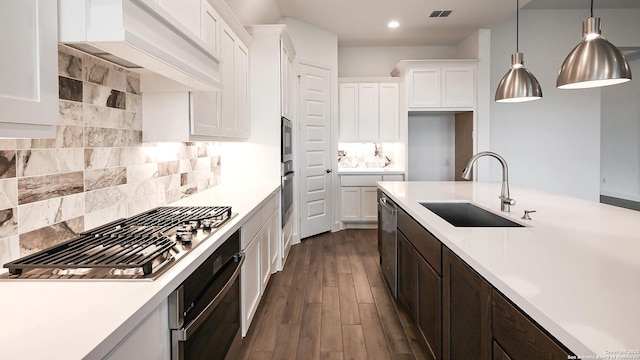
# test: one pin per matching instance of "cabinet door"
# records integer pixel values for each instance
(286, 71)
(210, 33)
(227, 79)
(250, 283)
(29, 63)
(274, 242)
(187, 12)
(350, 203)
(241, 73)
(466, 311)
(204, 114)
(369, 203)
(424, 87)
(389, 111)
(458, 86)
(368, 112)
(348, 112)
(430, 307)
(407, 276)
(518, 337)
(265, 258)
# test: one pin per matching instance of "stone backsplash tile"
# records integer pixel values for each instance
(8, 222)
(45, 213)
(69, 65)
(7, 164)
(69, 89)
(50, 161)
(97, 169)
(8, 193)
(103, 178)
(40, 188)
(46, 237)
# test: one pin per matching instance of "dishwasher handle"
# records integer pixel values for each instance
(388, 205)
(185, 332)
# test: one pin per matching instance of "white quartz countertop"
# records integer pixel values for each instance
(369, 171)
(574, 268)
(76, 319)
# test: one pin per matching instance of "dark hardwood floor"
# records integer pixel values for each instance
(330, 302)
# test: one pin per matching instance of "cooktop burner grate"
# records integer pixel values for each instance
(139, 244)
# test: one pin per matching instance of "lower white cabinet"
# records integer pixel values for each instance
(259, 239)
(150, 340)
(358, 196)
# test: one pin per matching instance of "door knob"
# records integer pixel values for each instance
(328, 170)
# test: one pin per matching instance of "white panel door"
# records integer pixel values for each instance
(348, 112)
(458, 86)
(250, 283)
(211, 28)
(389, 111)
(29, 63)
(424, 87)
(369, 203)
(227, 78)
(350, 203)
(265, 259)
(241, 74)
(368, 110)
(315, 150)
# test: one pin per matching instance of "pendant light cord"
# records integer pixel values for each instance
(518, 25)
(591, 8)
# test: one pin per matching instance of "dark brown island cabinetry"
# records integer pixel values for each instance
(459, 314)
(419, 280)
(466, 309)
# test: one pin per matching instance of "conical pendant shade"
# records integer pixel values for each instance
(594, 62)
(518, 84)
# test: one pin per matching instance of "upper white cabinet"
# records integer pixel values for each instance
(369, 111)
(442, 85)
(286, 71)
(29, 63)
(207, 115)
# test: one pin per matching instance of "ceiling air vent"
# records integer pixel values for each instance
(440, 13)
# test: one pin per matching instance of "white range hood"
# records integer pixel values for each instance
(142, 36)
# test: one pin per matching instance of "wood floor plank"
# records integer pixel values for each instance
(372, 268)
(353, 338)
(313, 292)
(329, 266)
(309, 339)
(342, 255)
(374, 338)
(260, 355)
(360, 280)
(393, 329)
(418, 347)
(287, 342)
(331, 333)
(270, 320)
(348, 301)
(332, 355)
(295, 297)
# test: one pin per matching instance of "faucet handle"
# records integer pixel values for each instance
(526, 214)
(507, 201)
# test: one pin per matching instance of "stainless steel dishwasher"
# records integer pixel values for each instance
(388, 241)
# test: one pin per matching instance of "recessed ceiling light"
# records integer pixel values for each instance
(393, 24)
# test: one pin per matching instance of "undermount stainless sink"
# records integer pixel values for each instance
(464, 214)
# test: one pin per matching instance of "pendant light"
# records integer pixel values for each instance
(594, 62)
(518, 84)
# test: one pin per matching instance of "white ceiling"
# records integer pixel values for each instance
(364, 22)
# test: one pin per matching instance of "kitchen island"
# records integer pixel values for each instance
(573, 268)
(86, 319)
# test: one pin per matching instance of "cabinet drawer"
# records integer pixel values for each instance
(251, 228)
(359, 180)
(269, 207)
(393, 177)
(427, 245)
(519, 337)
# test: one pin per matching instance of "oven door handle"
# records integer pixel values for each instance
(287, 177)
(185, 332)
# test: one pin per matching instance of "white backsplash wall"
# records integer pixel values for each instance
(97, 169)
(363, 155)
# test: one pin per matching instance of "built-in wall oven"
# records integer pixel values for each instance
(286, 170)
(204, 312)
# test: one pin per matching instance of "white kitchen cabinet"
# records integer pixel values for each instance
(369, 111)
(150, 340)
(286, 69)
(358, 196)
(274, 242)
(187, 12)
(29, 63)
(202, 116)
(256, 242)
(439, 85)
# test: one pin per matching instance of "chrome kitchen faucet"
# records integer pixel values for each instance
(505, 201)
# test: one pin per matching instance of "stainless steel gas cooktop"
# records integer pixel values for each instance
(140, 247)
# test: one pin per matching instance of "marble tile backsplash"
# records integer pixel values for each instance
(97, 169)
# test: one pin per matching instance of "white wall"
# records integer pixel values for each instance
(554, 143)
(620, 136)
(378, 61)
(431, 147)
(252, 12)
